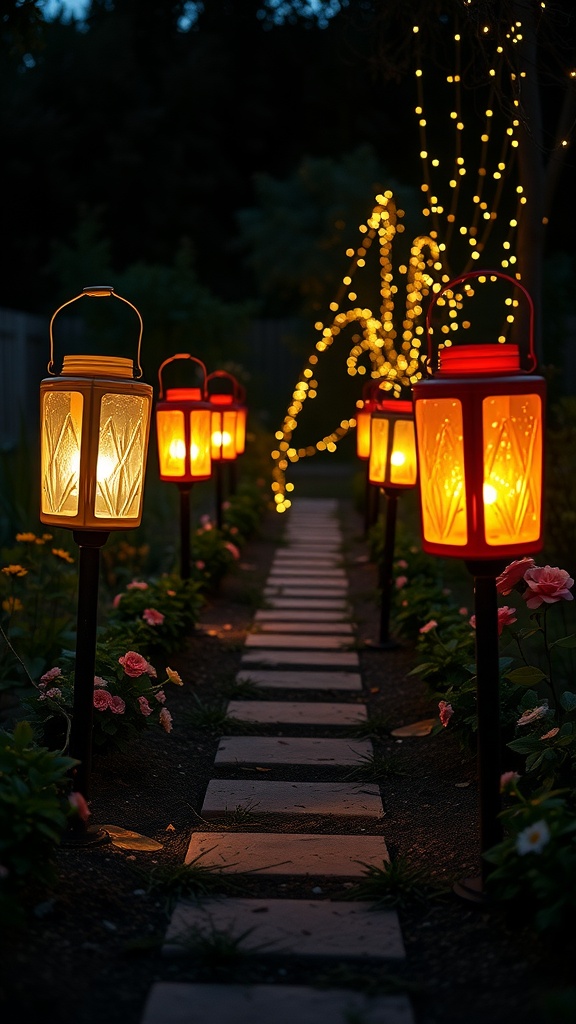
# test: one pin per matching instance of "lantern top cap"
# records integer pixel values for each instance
(184, 395)
(99, 291)
(395, 406)
(97, 366)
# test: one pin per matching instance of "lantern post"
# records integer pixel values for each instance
(95, 421)
(392, 467)
(228, 429)
(183, 417)
(479, 430)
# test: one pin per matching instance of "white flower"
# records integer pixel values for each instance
(533, 839)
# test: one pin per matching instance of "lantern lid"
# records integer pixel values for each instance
(476, 359)
(395, 405)
(97, 366)
(184, 395)
(222, 399)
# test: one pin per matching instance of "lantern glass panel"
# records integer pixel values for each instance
(512, 435)
(403, 456)
(378, 448)
(441, 454)
(363, 433)
(60, 453)
(171, 443)
(224, 435)
(200, 440)
(121, 456)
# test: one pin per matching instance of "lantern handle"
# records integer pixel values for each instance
(96, 291)
(238, 390)
(484, 273)
(180, 355)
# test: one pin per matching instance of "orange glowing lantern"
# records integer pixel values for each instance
(479, 431)
(225, 406)
(364, 409)
(183, 429)
(95, 421)
(393, 460)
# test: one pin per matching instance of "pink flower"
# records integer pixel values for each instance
(52, 673)
(401, 581)
(547, 585)
(99, 682)
(101, 700)
(117, 705)
(153, 617)
(165, 719)
(232, 549)
(233, 530)
(462, 611)
(171, 593)
(402, 563)
(77, 800)
(144, 706)
(137, 585)
(134, 664)
(54, 692)
(151, 670)
(512, 575)
(550, 734)
(428, 626)
(532, 715)
(446, 711)
(117, 600)
(506, 780)
(160, 697)
(505, 617)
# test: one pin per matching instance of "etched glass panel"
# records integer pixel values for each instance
(60, 451)
(378, 450)
(403, 457)
(512, 434)
(121, 456)
(171, 443)
(441, 454)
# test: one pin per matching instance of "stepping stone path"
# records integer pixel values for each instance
(302, 641)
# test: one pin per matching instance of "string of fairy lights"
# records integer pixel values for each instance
(392, 351)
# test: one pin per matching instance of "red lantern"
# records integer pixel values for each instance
(479, 431)
(392, 444)
(226, 409)
(183, 429)
(364, 409)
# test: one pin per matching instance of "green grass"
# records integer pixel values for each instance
(397, 883)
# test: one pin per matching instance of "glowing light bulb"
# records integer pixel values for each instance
(397, 458)
(490, 494)
(177, 449)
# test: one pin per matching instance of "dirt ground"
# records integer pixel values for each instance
(91, 951)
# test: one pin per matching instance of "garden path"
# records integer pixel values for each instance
(302, 642)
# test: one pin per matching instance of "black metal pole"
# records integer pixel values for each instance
(371, 503)
(386, 567)
(184, 530)
(219, 494)
(488, 718)
(80, 746)
(232, 477)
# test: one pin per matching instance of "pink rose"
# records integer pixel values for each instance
(133, 664)
(506, 780)
(77, 801)
(101, 700)
(54, 692)
(402, 563)
(200, 564)
(547, 585)
(99, 682)
(117, 600)
(160, 697)
(117, 705)
(144, 706)
(232, 549)
(165, 719)
(137, 585)
(401, 581)
(505, 617)
(151, 670)
(52, 673)
(153, 617)
(428, 626)
(446, 711)
(512, 575)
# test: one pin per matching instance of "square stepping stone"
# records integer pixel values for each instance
(329, 604)
(299, 641)
(328, 659)
(284, 712)
(298, 615)
(180, 1002)
(345, 800)
(303, 928)
(269, 853)
(322, 628)
(305, 590)
(302, 575)
(292, 750)
(286, 680)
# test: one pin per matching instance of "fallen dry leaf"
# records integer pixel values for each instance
(127, 840)
(423, 728)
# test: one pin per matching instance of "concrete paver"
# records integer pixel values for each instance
(292, 750)
(312, 604)
(270, 853)
(344, 800)
(304, 927)
(278, 679)
(284, 712)
(197, 1002)
(328, 659)
(313, 642)
(300, 615)
(323, 628)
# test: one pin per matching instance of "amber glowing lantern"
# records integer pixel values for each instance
(95, 421)
(183, 429)
(225, 405)
(364, 409)
(479, 430)
(392, 460)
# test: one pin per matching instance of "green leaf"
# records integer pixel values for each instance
(527, 675)
(565, 641)
(568, 700)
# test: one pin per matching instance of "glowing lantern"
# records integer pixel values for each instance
(241, 420)
(225, 407)
(364, 409)
(183, 429)
(479, 427)
(392, 444)
(95, 421)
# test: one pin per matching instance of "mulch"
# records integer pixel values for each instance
(91, 950)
